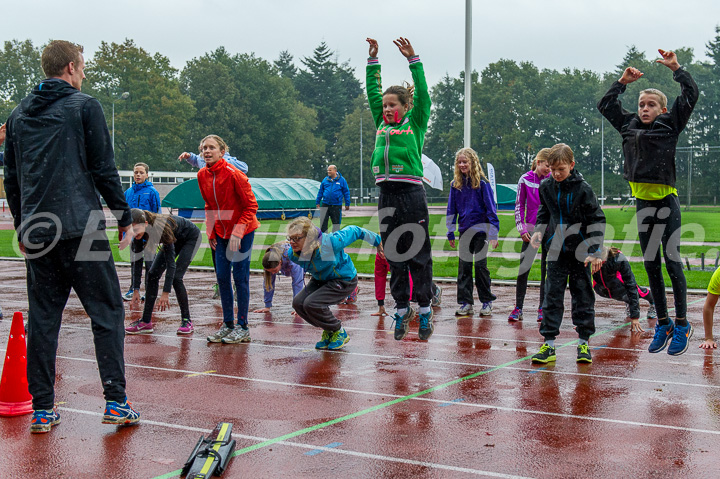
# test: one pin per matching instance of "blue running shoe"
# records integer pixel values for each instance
(43, 420)
(426, 326)
(402, 323)
(663, 333)
(680, 340)
(338, 340)
(120, 413)
(324, 340)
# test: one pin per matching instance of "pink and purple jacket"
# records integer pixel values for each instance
(527, 202)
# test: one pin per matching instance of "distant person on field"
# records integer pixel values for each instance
(197, 161)
(650, 137)
(576, 224)
(141, 195)
(711, 300)
(58, 163)
(333, 190)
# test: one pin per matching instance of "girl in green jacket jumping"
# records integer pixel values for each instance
(401, 117)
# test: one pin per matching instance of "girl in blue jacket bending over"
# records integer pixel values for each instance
(276, 260)
(472, 205)
(333, 274)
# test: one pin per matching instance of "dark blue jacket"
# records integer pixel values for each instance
(332, 191)
(58, 148)
(475, 208)
(143, 197)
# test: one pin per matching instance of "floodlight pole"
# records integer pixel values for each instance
(361, 159)
(468, 70)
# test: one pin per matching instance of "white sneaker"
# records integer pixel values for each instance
(465, 309)
(237, 335)
(486, 309)
(220, 334)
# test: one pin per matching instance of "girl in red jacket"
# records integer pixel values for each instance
(230, 208)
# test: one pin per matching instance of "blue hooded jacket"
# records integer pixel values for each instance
(332, 191)
(143, 196)
(329, 260)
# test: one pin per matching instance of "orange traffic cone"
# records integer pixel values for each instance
(15, 400)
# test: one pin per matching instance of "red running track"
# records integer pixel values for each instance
(380, 408)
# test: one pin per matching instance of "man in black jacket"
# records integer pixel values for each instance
(58, 157)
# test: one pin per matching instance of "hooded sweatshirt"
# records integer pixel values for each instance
(58, 162)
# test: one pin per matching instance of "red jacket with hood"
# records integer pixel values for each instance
(229, 201)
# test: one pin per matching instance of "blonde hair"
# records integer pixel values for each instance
(221, 143)
(608, 253)
(542, 155)
(270, 260)
(144, 165)
(474, 176)
(560, 153)
(302, 225)
(655, 91)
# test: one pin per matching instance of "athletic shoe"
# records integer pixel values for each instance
(651, 313)
(663, 333)
(219, 334)
(486, 309)
(426, 325)
(216, 291)
(352, 297)
(680, 340)
(324, 340)
(120, 413)
(128, 296)
(43, 420)
(338, 340)
(437, 295)
(402, 323)
(237, 335)
(540, 315)
(584, 354)
(516, 315)
(186, 327)
(138, 327)
(465, 309)
(545, 355)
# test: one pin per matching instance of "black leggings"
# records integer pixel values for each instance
(527, 256)
(185, 252)
(659, 223)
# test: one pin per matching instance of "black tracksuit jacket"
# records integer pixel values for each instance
(649, 150)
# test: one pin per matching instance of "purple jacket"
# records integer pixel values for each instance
(287, 268)
(474, 209)
(527, 202)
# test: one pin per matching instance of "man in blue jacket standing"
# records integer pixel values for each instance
(333, 190)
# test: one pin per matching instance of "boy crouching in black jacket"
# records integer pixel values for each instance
(577, 225)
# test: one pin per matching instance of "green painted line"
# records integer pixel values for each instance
(377, 407)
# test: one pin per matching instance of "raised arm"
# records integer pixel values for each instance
(610, 106)
(685, 103)
(373, 83)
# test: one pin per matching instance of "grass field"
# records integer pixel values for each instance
(698, 225)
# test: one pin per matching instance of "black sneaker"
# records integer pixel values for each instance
(545, 355)
(584, 354)
(426, 326)
(402, 323)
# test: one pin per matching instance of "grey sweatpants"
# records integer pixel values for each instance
(314, 301)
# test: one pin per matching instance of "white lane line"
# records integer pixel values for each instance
(321, 448)
(446, 362)
(425, 399)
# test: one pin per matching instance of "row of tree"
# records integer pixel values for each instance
(288, 120)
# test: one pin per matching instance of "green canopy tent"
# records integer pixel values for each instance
(276, 197)
(506, 195)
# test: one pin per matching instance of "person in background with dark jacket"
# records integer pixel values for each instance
(61, 227)
(333, 190)
(615, 280)
(142, 195)
(576, 224)
(650, 138)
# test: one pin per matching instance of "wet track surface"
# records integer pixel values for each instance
(379, 408)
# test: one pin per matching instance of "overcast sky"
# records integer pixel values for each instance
(550, 33)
